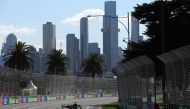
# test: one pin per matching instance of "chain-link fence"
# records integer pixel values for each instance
(177, 67)
(11, 83)
(136, 79)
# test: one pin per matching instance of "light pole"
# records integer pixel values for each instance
(116, 18)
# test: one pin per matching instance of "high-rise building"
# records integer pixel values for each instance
(110, 35)
(84, 37)
(93, 48)
(73, 52)
(135, 30)
(11, 40)
(43, 65)
(40, 51)
(49, 37)
(36, 60)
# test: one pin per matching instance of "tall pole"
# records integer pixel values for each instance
(163, 49)
(128, 30)
(128, 27)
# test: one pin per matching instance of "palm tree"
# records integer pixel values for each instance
(93, 64)
(18, 57)
(56, 62)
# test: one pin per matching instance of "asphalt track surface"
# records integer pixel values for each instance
(57, 104)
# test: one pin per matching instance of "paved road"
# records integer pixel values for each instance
(57, 104)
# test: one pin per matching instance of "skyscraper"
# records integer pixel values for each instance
(49, 37)
(36, 60)
(110, 35)
(93, 48)
(11, 40)
(73, 52)
(84, 37)
(135, 30)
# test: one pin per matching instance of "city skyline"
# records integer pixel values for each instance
(25, 19)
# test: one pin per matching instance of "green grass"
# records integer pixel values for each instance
(110, 106)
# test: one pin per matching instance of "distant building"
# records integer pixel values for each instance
(120, 54)
(11, 40)
(73, 53)
(49, 37)
(40, 51)
(36, 60)
(110, 35)
(135, 30)
(49, 43)
(1, 61)
(84, 37)
(43, 61)
(93, 48)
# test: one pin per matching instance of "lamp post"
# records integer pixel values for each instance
(116, 18)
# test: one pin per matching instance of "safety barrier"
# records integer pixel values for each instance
(1, 100)
(69, 96)
(88, 95)
(51, 98)
(107, 95)
(6, 100)
(13, 99)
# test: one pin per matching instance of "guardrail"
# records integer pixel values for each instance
(6, 100)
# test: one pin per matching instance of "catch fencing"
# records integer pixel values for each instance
(137, 85)
(10, 84)
(177, 68)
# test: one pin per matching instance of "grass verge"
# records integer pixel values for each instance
(110, 106)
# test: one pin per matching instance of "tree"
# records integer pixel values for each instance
(92, 65)
(167, 29)
(18, 57)
(167, 25)
(56, 62)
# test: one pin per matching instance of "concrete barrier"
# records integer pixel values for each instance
(24, 99)
(13, 100)
(69, 96)
(107, 95)
(5, 100)
(1, 101)
(32, 99)
(88, 96)
(51, 98)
